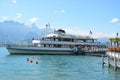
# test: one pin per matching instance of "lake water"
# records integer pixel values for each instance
(54, 67)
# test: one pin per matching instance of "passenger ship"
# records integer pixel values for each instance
(58, 42)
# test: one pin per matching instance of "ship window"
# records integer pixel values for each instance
(47, 39)
(80, 40)
(66, 39)
(56, 39)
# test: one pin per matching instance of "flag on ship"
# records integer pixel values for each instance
(91, 32)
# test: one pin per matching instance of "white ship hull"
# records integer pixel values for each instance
(39, 51)
(56, 43)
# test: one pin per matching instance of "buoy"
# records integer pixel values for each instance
(31, 61)
(27, 59)
(36, 62)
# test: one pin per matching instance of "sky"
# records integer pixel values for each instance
(79, 17)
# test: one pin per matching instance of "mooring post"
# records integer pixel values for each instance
(118, 59)
(115, 62)
(103, 60)
(109, 60)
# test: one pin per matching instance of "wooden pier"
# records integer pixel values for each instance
(113, 53)
(113, 59)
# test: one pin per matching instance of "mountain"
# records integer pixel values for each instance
(103, 39)
(11, 31)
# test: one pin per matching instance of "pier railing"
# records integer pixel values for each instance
(113, 59)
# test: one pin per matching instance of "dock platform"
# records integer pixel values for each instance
(113, 59)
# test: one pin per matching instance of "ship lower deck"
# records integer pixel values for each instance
(39, 51)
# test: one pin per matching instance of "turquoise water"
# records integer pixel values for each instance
(54, 67)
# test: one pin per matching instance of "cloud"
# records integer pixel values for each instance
(18, 15)
(62, 11)
(4, 18)
(114, 20)
(59, 11)
(34, 19)
(102, 35)
(76, 31)
(86, 33)
(14, 1)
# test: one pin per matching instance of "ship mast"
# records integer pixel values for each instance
(47, 28)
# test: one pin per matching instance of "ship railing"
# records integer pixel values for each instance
(89, 43)
(20, 45)
(56, 42)
(70, 43)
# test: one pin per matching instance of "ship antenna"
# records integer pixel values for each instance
(47, 27)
